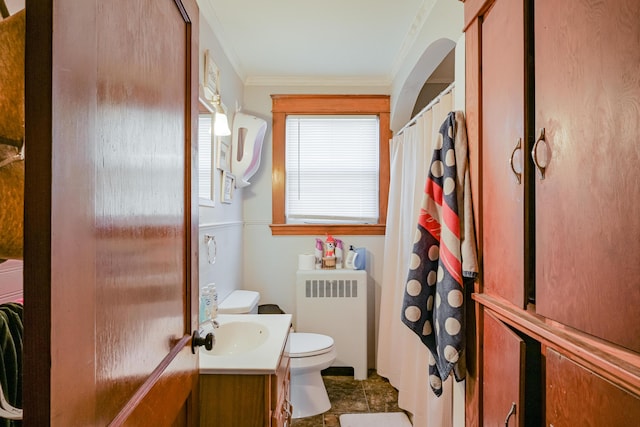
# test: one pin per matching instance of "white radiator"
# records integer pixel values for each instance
(334, 303)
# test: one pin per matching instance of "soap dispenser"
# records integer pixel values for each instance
(348, 263)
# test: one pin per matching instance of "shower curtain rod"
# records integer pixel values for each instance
(433, 102)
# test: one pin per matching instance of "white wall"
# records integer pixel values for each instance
(223, 221)
(439, 33)
(270, 262)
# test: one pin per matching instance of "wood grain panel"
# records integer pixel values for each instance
(503, 198)
(503, 373)
(588, 231)
(578, 397)
(111, 99)
(473, 115)
(474, 9)
(235, 400)
(330, 104)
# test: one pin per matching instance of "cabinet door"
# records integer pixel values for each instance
(503, 374)
(503, 126)
(587, 223)
(578, 397)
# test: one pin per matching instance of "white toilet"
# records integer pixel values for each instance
(309, 354)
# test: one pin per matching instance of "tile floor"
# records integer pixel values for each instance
(347, 395)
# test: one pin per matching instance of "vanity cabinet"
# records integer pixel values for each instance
(553, 121)
(246, 400)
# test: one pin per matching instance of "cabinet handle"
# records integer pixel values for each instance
(512, 411)
(513, 153)
(534, 153)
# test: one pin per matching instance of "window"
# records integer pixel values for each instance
(331, 169)
(205, 159)
(330, 164)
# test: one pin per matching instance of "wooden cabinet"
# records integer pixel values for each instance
(246, 400)
(553, 120)
(577, 396)
(512, 387)
(503, 366)
(587, 100)
(503, 152)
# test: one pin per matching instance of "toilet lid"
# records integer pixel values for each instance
(303, 344)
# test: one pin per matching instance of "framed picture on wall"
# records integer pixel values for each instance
(211, 76)
(224, 155)
(228, 184)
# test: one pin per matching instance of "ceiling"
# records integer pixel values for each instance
(331, 40)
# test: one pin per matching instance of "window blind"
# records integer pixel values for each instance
(205, 158)
(332, 168)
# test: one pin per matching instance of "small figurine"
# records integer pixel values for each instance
(331, 247)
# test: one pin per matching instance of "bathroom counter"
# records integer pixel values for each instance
(237, 350)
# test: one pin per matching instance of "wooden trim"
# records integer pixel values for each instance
(473, 113)
(38, 184)
(614, 363)
(337, 229)
(278, 168)
(331, 104)
(473, 9)
(385, 124)
(327, 104)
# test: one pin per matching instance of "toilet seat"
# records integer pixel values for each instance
(305, 344)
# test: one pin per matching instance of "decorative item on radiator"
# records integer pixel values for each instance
(329, 258)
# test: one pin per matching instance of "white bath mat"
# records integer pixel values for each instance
(379, 419)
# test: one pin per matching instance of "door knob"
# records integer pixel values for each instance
(198, 341)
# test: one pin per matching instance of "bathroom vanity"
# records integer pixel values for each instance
(244, 379)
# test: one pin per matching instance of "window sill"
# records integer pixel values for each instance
(322, 229)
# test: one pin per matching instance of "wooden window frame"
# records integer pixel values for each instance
(283, 105)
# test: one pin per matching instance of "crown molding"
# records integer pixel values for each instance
(216, 26)
(384, 82)
(412, 35)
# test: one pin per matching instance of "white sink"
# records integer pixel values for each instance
(237, 337)
(245, 344)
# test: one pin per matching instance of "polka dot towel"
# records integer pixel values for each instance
(443, 256)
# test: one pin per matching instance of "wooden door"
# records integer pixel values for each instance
(578, 397)
(504, 197)
(587, 222)
(503, 374)
(111, 225)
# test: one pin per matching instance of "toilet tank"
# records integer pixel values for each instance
(240, 302)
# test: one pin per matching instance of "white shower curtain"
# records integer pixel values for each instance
(402, 357)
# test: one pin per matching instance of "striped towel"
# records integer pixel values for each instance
(444, 256)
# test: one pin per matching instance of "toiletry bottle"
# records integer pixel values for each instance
(205, 303)
(350, 256)
(339, 253)
(214, 301)
(319, 250)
